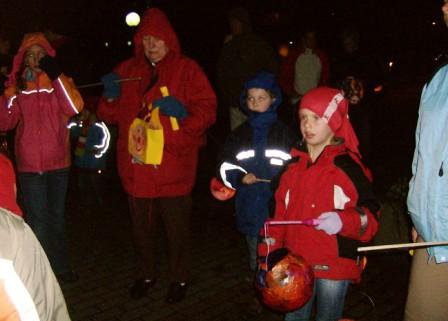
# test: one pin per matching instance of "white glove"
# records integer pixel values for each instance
(329, 222)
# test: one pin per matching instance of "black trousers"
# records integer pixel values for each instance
(149, 216)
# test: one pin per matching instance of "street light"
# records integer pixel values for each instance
(132, 19)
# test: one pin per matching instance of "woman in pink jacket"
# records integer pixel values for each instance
(37, 102)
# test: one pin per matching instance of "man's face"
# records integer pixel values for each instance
(445, 11)
(154, 48)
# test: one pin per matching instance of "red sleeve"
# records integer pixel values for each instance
(200, 103)
(9, 109)
(360, 216)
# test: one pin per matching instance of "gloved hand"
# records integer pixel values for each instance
(329, 222)
(170, 106)
(111, 85)
(49, 65)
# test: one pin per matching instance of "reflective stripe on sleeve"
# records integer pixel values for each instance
(225, 167)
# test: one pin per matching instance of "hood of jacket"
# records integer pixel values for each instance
(155, 23)
(29, 40)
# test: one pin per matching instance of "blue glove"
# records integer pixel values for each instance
(111, 85)
(329, 222)
(170, 106)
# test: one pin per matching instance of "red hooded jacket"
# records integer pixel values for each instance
(186, 81)
(336, 181)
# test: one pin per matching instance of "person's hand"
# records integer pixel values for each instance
(329, 222)
(111, 85)
(49, 65)
(249, 179)
(170, 106)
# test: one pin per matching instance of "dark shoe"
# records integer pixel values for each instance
(67, 277)
(176, 292)
(140, 287)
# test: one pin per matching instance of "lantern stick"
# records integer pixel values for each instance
(309, 222)
(400, 246)
(100, 83)
(264, 180)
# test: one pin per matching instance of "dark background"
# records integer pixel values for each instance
(399, 31)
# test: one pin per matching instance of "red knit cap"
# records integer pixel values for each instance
(330, 104)
(7, 186)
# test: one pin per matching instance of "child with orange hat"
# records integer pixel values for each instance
(328, 183)
(37, 102)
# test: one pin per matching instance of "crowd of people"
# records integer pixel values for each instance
(307, 167)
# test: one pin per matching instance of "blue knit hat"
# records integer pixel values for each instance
(264, 80)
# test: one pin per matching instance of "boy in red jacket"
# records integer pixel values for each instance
(327, 182)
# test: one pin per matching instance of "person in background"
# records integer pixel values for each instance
(243, 54)
(305, 68)
(38, 101)
(360, 75)
(427, 202)
(326, 183)
(160, 193)
(257, 149)
(91, 142)
(28, 287)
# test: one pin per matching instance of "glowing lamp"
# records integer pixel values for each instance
(283, 51)
(132, 19)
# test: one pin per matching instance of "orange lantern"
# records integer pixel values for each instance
(288, 285)
(220, 191)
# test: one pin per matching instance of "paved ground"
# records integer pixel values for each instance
(103, 256)
(102, 252)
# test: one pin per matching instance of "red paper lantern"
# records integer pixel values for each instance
(220, 191)
(288, 285)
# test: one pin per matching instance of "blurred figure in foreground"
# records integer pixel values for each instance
(28, 287)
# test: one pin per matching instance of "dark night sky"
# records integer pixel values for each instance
(390, 28)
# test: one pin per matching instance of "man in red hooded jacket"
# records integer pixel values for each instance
(160, 192)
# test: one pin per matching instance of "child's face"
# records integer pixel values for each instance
(33, 55)
(259, 100)
(315, 130)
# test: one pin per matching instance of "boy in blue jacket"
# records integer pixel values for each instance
(254, 154)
